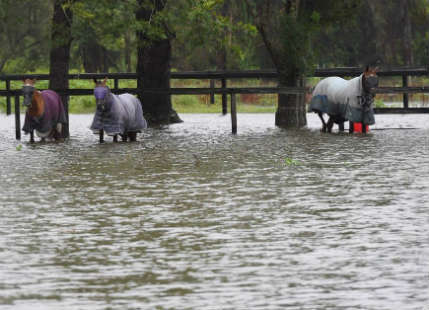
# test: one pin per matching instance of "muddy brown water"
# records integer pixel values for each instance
(191, 217)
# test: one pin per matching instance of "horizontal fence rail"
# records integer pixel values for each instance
(218, 75)
(223, 76)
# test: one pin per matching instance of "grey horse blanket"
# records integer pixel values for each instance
(343, 100)
(122, 114)
(53, 115)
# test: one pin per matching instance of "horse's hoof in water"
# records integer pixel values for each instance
(132, 136)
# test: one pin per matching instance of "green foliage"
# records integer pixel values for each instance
(297, 54)
(208, 29)
(379, 103)
(24, 34)
(291, 162)
(206, 32)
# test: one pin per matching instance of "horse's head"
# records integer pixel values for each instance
(369, 78)
(28, 91)
(102, 95)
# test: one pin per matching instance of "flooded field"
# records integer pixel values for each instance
(191, 217)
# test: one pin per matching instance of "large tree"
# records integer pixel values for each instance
(154, 62)
(61, 39)
(284, 30)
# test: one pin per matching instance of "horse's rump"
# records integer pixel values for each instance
(53, 115)
(133, 113)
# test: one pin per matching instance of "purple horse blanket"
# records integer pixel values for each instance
(122, 114)
(53, 115)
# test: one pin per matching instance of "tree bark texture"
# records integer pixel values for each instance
(291, 108)
(61, 38)
(407, 33)
(153, 71)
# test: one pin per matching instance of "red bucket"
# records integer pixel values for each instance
(357, 127)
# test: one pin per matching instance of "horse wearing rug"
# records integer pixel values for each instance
(45, 112)
(346, 100)
(116, 114)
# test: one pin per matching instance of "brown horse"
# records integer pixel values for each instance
(45, 112)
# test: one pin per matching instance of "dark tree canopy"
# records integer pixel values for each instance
(216, 34)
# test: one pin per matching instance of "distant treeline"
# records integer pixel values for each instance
(211, 34)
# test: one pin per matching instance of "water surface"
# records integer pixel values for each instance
(191, 217)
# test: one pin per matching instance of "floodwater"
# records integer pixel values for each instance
(192, 217)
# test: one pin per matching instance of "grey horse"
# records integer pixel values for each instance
(116, 114)
(346, 100)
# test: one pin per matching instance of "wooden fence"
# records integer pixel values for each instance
(224, 90)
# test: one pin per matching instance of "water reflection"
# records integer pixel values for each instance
(191, 217)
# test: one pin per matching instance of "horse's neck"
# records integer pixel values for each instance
(365, 92)
(111, 99)
(37, 104)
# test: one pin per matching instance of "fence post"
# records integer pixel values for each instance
(212, 95)
(66, 129)
(116, 86)
(405, 96)
(8, 105)
(224, 99)
(233, 114)
(17, 118)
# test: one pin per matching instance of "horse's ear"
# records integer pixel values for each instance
(29, 81)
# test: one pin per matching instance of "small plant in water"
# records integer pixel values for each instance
(19, 147)
(291, 162)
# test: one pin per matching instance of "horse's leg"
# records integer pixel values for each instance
(330, 124)
(133, 136)
(363, 128)
(32, 136)
(101, 134)
(351, 127)
(124, 137)
(115, 138)
(323, 122)
(341, 126)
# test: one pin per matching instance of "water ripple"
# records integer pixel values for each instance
(191, 217)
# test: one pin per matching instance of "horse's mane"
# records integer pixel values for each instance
(37, 105)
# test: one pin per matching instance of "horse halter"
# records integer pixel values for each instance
(101, 94)
(370, 82)
(28, 91)
(367, 97)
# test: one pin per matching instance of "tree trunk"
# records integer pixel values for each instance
(61, 38)
(407, 33)
(153, 72)
(127, 51)
(291, 109)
